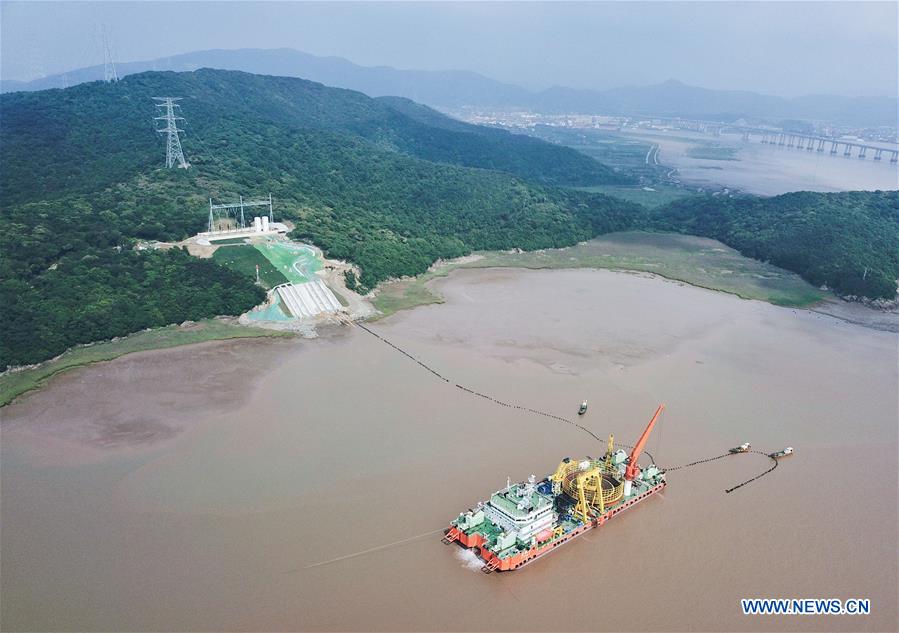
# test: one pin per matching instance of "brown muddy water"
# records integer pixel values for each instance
(199, 488)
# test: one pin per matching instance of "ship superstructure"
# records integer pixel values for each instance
(526, 520)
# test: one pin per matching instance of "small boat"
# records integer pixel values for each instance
(583, 408)
(787, 451)
(742, 448)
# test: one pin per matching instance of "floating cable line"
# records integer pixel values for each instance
(559, 418)
(699, 461)
(759, 476)
(410, 539)
(403, 352)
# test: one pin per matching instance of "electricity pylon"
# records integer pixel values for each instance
(109, 71)
(173, 151)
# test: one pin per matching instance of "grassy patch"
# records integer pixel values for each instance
(230, 240)
(15, 384)
(244, 259)
(712, 152)
(340, 298)
(658, 195)
(694, 260)
(614, 149)
(296, 262)
(403, 294)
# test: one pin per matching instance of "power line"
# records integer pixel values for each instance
(173, 151)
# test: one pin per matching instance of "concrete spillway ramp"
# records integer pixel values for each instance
(309, 299)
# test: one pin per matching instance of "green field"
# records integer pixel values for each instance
(710, 151)
(624, 153)
(244, 259)
(694, 260)
(15, 384)
(230, 240)
(279, 262)
(298, 263)
(403, 294)
(659, 195)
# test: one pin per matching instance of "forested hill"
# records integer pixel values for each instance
(83, 179)
(97, 134)
(385, 183)
(847, 241)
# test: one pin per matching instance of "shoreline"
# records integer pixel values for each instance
(19, 381)
(871, 323)
(408, 293)
(695, 261)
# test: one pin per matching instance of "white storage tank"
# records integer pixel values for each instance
(264, 224)
(257, 224)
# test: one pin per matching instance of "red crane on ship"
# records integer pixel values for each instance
(632, 469)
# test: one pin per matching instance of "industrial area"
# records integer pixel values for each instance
(301, 285)
(295, 273)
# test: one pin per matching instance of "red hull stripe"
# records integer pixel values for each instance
(520, 560)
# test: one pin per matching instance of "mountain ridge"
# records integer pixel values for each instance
(458, 88)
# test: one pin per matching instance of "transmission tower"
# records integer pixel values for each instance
(109, 71)
(173, 150)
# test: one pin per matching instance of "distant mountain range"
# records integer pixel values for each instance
(458, 88)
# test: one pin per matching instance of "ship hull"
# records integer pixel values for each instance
(494, 563)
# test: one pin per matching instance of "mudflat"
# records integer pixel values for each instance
(767, 169)
(254, 484)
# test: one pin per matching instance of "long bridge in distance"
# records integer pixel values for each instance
(820, 144)
(807, 142)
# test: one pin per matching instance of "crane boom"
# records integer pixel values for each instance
(632, 468)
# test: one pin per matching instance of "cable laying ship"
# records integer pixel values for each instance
(526, 520)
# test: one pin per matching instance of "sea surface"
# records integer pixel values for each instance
(301, 485)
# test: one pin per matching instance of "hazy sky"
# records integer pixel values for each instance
(776, 47)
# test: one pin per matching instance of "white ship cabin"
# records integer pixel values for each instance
(519, 509)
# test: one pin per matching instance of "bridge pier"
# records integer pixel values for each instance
(799, 140)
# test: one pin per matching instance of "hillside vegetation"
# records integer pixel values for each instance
(385, 183)
(846, 241)
(82, 180)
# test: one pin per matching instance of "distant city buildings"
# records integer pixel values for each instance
(525, 120)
